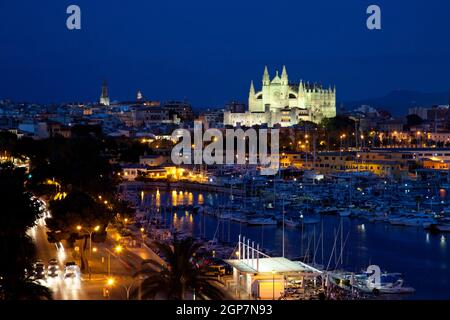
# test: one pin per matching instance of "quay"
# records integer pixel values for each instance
(167, 185)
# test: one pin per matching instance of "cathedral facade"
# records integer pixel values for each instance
(284, 103)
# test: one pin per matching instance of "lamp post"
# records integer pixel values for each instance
(110, 283)
(273, 284)
(301, 246)
(118, 249)
(143, 236)
(90, 231)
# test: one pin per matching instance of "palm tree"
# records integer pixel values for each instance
(178, 275)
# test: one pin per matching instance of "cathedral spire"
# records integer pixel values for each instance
(266, 77)
(252, 89)
(284, 75)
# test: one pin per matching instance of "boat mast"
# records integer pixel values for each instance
(322, 239)
(342, 241)
(314, 244)
(283, 225)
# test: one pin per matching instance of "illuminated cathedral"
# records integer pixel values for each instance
(284, 103)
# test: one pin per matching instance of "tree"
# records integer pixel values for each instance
(19, 213)
(179, 275)
(413, 120)
(338, 124)
(336, 127)
(77, 163)
(78, 209)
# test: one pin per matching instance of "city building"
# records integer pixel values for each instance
(104, 97)
(284, 103)
(212, 118)
(181, 110)
(422, 112)
(235, 107)
(148, 115)
(153, 160)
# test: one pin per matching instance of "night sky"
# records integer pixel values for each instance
(208, 51)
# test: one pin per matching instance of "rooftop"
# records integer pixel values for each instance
(269, 265)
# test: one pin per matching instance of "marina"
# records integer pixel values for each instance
(373, 222)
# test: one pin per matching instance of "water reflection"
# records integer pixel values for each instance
(395, 249)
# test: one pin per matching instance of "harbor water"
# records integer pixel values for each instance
(422, 257)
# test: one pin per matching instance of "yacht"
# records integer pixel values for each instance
(262, 222)
(345, 213)
(292, 223)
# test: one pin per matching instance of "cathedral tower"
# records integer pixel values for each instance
(104, 97)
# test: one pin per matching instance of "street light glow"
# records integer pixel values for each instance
(118, 248)
(110, 281)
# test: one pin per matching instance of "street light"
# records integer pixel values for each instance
(118, 249)
(90, 231)
(273, 284)
(142, 236)
(110, 281)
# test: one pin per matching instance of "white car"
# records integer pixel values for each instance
(71, 271)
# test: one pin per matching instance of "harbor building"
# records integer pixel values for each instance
(284, 103)
(259, 276)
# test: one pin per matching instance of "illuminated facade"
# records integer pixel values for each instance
(284, 103)
(104, 97)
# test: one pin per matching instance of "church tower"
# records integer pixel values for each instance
(265, 91)
(104, 98)
(284, 77)
(266, 77)
(251, 97)
(139, 95)
(301, 95)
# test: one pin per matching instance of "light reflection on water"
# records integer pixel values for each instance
(422, 257)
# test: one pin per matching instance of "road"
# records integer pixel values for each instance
(62, 290)
(121, 268)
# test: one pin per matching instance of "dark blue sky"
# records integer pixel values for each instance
(208, 51)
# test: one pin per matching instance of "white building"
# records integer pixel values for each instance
(284, 103)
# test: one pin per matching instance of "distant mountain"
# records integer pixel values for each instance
(398, 101)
